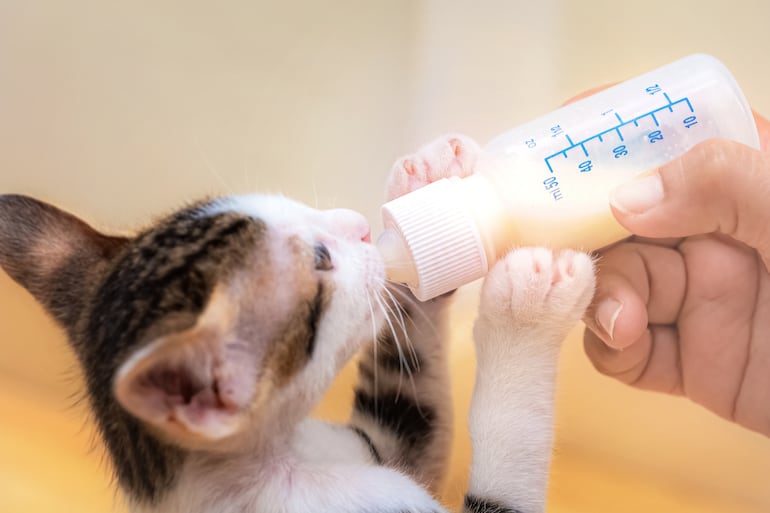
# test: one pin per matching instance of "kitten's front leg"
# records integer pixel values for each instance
(529, 302)
(403, 405)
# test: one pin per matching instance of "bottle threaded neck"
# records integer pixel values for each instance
(441, 239)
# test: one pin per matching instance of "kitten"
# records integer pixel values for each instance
(207, 339)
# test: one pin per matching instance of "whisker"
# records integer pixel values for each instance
(374, 350)
(402, 322)
(401, 359)
(403, 363)
(227, 188)
(315, 191)
(412, 351)
(407, 298)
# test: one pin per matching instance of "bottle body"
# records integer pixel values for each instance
(547, 182)
(557, 170)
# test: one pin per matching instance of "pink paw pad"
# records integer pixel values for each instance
(536, 285)
(445, 157)
(409, 167)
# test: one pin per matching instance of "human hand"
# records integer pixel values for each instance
(686, 309)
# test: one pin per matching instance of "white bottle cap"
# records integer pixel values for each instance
(431, 241)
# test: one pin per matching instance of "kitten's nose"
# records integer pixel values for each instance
(349, 223)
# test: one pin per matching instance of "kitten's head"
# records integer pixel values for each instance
(227, 319)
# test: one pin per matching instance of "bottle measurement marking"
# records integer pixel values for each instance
(651, 114)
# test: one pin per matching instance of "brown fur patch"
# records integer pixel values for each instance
(289, 350)
(289, 353)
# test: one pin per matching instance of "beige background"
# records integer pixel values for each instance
(122, 110)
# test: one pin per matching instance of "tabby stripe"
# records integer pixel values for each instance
(155, 286)
(368, 441)
(475, 504)
(398, 413)
(366, 372)
(214, 240)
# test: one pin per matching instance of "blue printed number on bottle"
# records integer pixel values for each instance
(585, 166)
(654, 88)
(655, 136)
(552, 186)
(690, 121)
(620, 151)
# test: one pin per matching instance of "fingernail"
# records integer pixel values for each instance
(607, 313)
(639, 195)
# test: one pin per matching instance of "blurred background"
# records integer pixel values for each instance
(121, 111)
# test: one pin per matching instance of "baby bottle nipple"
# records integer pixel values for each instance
(399, 266)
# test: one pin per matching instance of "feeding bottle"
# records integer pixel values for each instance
(548, 181)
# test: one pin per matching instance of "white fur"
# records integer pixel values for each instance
(529, 302)
(325, 469)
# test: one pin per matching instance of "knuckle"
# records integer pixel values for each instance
(708, 161)
(723, 176)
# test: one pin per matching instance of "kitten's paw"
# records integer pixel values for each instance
(535, 287)
(451, 155)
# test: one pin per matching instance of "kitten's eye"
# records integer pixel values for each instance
(323, 260)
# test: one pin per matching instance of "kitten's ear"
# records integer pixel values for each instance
(51, 253)
(196, 385)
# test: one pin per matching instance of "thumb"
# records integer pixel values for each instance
(718, 186)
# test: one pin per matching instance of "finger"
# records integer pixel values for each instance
(618, 311)
(718, 186)
(638, 284)
(652, 362)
